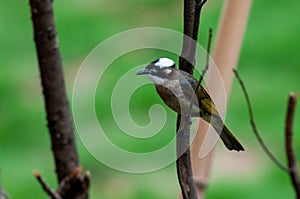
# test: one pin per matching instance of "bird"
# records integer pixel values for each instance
(176, 89)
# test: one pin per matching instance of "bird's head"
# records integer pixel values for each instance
(159, 71)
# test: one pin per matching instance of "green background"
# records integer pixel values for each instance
(269, 65)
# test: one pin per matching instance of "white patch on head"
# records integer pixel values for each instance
(164, 62)
(156, 80)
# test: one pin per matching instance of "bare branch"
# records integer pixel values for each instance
(260, 140)
(192, 10)
(198, 9)
(290, 153)
(57, 107)
(60, 122)
(183, 162)
(74, 185)
(46, 188)
(186, 59)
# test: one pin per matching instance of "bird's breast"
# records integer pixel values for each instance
(173, 96)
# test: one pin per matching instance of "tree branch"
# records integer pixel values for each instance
(192, 13)
(184, 168)
(70, 187)
(57, 107)
(290, 154)
(183, 162)
(253, 125)
(204, 71)
(187, 59)
(198, 8)
(192, 9)
(60, 123)
(46, 188)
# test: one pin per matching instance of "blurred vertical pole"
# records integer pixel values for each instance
(225, 55)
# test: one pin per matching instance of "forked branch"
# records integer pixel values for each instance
(46, 188)
(72, 186)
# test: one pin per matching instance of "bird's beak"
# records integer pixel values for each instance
(143, 72)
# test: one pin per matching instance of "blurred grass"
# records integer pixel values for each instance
(269, 65)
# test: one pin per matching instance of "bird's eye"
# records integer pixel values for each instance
(157, 67)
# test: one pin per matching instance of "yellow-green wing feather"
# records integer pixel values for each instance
(205, 101)
(188, 84)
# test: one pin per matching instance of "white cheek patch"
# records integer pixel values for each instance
(167, 71)
(156, 80)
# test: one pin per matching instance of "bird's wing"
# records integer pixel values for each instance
(206, 101)
(188, 84)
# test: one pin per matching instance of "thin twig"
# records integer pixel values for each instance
(45, 187)
(207, 59)
(202, 74)
(260, 140)
(290, 153)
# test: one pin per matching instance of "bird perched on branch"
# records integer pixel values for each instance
(176, 88)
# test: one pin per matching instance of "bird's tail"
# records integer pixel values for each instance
(230, 141)
(227, 137)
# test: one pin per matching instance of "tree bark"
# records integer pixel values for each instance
(192, 12)
(60, 123)
(57, 107)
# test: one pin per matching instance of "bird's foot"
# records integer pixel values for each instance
(190, 121)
